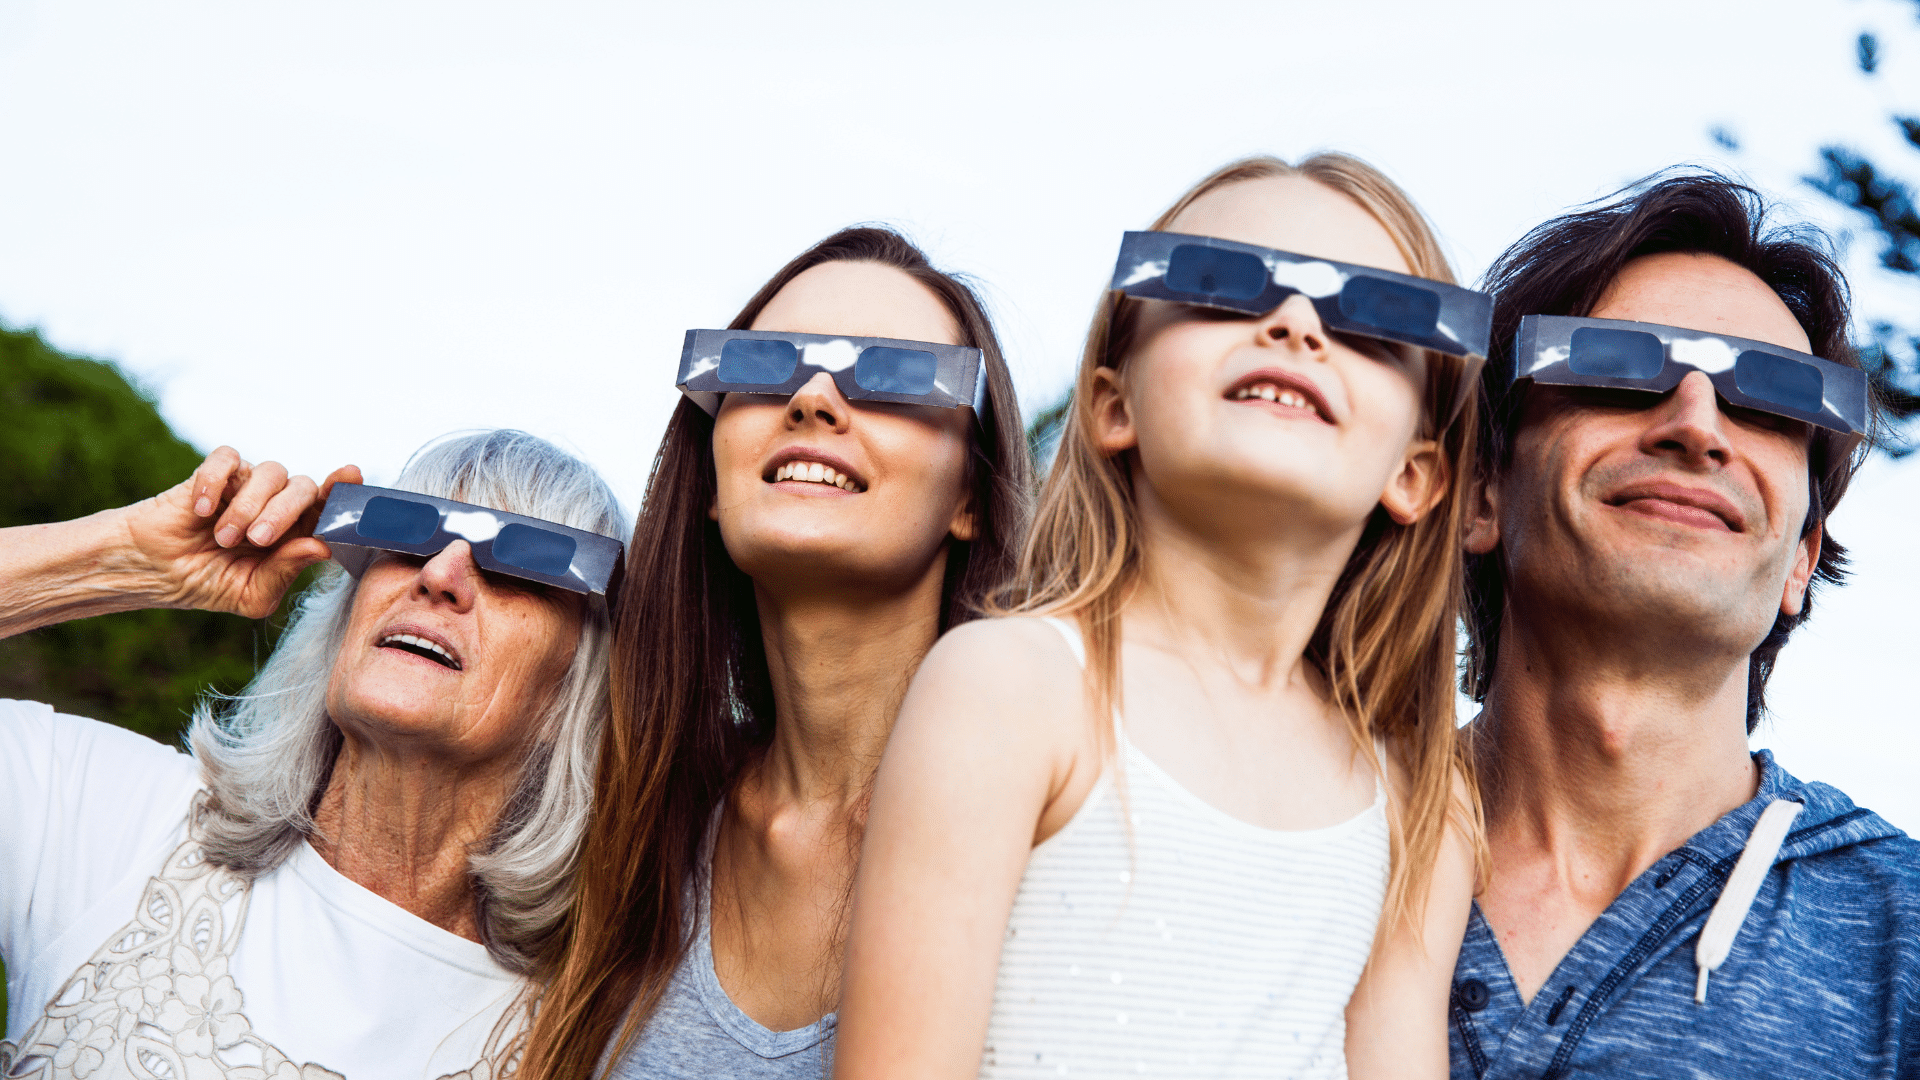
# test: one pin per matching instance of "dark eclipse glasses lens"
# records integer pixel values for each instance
(398, 522)
(887, 370)
(534, 549)
(1240, 275)
(1615, 354)
(880, 368)
(1211, 271)
(1391, 306)
(1779, 380)
(751, 362)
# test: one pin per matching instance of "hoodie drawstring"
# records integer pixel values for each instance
(1730, 911)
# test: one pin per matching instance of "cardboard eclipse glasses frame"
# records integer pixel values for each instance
(358, 522)
(1562, 350)
(715, 363)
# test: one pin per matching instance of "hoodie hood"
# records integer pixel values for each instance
(1829, 822)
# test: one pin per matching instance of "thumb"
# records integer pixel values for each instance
(275, 574)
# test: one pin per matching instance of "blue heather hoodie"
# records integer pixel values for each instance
(1823, 979)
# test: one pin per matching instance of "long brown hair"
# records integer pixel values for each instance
(1384, 644)
(692, 698)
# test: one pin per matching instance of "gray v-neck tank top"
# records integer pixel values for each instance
(698, 1033)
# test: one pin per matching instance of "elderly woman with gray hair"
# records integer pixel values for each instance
(349, 873)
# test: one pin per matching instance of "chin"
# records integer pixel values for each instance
(389, 706)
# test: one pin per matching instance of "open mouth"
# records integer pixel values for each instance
(1282, 390)
(814, 472)
(420, 646)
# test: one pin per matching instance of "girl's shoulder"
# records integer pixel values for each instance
(1032, 652)
(1022, 670)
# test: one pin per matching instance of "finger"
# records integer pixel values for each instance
(210, 480)
(309, 521)
(275, 574)
(268, 478)
(345, 474)
(282, 511)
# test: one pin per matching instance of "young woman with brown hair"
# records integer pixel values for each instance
(1262, 864)
(797, 556)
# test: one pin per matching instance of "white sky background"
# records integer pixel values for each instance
(330, 232)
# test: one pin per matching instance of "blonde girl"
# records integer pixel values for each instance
(1196, 805)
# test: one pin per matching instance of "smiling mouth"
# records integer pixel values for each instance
(813, 472)
(420, 646)
(1281, 391)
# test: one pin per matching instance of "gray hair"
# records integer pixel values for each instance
(268, 751)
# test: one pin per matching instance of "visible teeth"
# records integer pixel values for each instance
(1269, 392)
(418, 642)
(813, 472)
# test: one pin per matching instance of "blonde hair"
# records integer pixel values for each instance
(1385, 643)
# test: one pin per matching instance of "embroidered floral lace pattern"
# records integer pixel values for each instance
(156, 1001)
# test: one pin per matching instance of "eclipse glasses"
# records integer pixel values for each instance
(714, 363)
(1350, 299)
(1560, 350)
(359, 521)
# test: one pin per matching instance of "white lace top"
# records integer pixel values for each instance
(1199, 945)
(128, 955)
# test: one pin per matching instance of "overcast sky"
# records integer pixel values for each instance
(330, 232)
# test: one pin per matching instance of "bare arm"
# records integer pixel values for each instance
(230, 538)
(1397, 1020)
(973, 767)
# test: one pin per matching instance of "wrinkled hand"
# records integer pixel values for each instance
(233, 536)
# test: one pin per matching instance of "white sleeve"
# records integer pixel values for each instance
(82, 804)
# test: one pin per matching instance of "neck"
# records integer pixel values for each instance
(1606, 761)
(1249, 597)
(840, 663)
(403, 826)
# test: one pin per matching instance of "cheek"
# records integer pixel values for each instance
(538, 649)
(1385, 401)
(739, 433)
(1170, 381)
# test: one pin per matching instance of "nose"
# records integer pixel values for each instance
(1688, 422)
(820, 401)
(1295, 324)
(450, 577)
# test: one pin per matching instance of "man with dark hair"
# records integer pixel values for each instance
(1673, 410)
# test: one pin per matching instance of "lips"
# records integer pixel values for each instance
(1282, 388)
(1700, 507)
(423, 643)
(804, 465)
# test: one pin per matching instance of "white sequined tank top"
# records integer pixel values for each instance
(1205, 947)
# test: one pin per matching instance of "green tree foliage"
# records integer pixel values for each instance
(1892, 211)
(76, 436)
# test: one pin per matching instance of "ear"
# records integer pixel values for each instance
(1483, 517)
(1113, 427)
(966, 524)
(1793, 595)
(1418, 486)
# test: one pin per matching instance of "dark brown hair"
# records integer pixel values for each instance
(692, 698)
(1565, 266)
